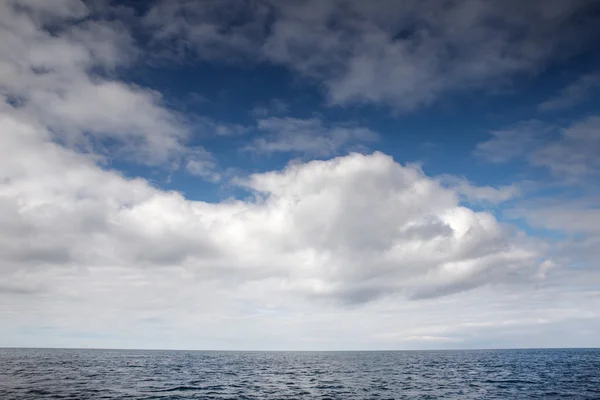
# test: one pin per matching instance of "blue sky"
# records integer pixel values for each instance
(262, 175)
(441, 136)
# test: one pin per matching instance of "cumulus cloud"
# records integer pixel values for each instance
(381, 227)
(401, 54)
(307, 136)
(352, 228)
(349, 230)
(56, 65)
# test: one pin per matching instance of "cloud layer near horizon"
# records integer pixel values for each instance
(93, 257)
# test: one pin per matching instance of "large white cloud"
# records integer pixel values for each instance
(347, 231)
(353, 227)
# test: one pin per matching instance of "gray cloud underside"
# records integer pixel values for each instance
(403, 54)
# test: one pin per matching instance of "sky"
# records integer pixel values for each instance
(300, 175)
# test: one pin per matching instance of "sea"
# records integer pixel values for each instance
(456, 374)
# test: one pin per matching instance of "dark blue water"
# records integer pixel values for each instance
(472, 374)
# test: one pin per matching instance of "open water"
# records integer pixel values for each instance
(137, 374)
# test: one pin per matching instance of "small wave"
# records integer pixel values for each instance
(179, 389)
(510, 381)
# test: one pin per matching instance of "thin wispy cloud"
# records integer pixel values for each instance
(307, 136)
(573, 94)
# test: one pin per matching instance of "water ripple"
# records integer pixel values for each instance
(153, 375)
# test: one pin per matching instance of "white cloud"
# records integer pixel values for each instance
(310, 226)
(307, 136)
(62, 80)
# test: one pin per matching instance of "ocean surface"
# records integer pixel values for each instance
(137, 374)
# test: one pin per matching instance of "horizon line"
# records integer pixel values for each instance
(298, 351)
